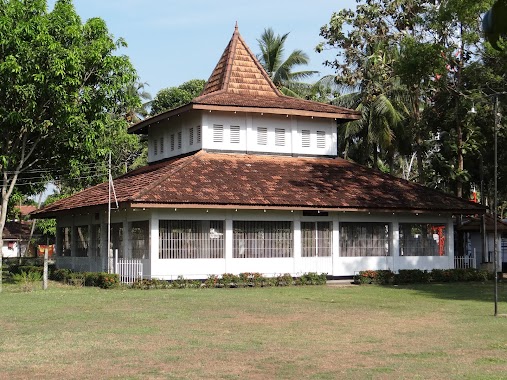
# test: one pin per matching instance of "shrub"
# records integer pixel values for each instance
(229, 280)
(91, 278)
(27, 279)
(284, 280)
(412, 276)
(108, 280)
(311, 278)
(212, 281)
(61, 275)
(18, 269)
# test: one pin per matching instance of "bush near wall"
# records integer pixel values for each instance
(229, 280)
(417, 276)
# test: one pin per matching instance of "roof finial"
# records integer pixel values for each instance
(236, 27)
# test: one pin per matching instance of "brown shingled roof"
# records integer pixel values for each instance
(240, 83)
(221, 180)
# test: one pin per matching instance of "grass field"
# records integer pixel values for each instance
(322, 332)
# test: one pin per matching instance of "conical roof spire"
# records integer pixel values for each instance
(239, 72)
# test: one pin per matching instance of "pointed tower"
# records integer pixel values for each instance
(241, 110)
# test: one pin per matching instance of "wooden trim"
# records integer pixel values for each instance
(277, 111)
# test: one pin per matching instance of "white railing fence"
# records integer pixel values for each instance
(129, 270)
(465, 261)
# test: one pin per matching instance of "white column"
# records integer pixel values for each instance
(228, 243)
(395, 244)
(449, 236)
(126, 239)
(103, 243)
(297, 267)
(336, 246)
(154, 244)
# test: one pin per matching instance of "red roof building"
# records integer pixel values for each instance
(245, 179)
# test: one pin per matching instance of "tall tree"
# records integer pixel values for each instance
(173, 97)
(280, 70)
(62, 89)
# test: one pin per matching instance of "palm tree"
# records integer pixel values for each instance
(137, 90)
(280, 70)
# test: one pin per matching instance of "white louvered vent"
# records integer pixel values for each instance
(198, 128)
(321, 139)
(172, 142)
(279, 137)
(179, 140)
(262, 136)
(191, 136)
(305, 138)
(235, 134)
(218, 133)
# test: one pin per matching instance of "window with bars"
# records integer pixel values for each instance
(198, 129)
(279, 137)
(191, 239)
(235, 137)
(139, 239)
(64, 241)
(305, 138)
(422, 239)
(262, 136)
(321, 139)
(179, 140)
(155, 147)
(82, 241)
(116, 232)
(95, 241)
(316, 239)
(364, 239)
(161, 145)
(264, 239)
(172, 142)
(218, 133)
(191, 136)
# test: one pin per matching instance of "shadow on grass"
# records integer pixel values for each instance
(474, 291)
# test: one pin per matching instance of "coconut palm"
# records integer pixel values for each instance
(280, 70)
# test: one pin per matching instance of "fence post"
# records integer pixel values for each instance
(45, 273)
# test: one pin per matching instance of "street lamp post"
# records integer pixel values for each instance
(495, 212)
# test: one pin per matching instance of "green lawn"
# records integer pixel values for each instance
(321, 332)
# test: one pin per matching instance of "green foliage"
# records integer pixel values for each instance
(108, 280)
(64, 92)
(280, 69)
(417, 276)
(173, 97)
(27, 280)
(61, 275)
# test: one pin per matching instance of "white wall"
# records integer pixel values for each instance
(296, 265)
(284, 134)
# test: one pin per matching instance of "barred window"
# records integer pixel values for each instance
(422, 239)
(316, 239)
(64, 241)
(117, 239)
(179, 140)
(139, 239)
(155, 147)
(262, 239)
(162, 145)
(172, 142)
(95, 246)
(364, 239)
(191, 239)
(82, 241)
(191, 136)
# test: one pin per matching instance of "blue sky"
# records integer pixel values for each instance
(172, 41)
